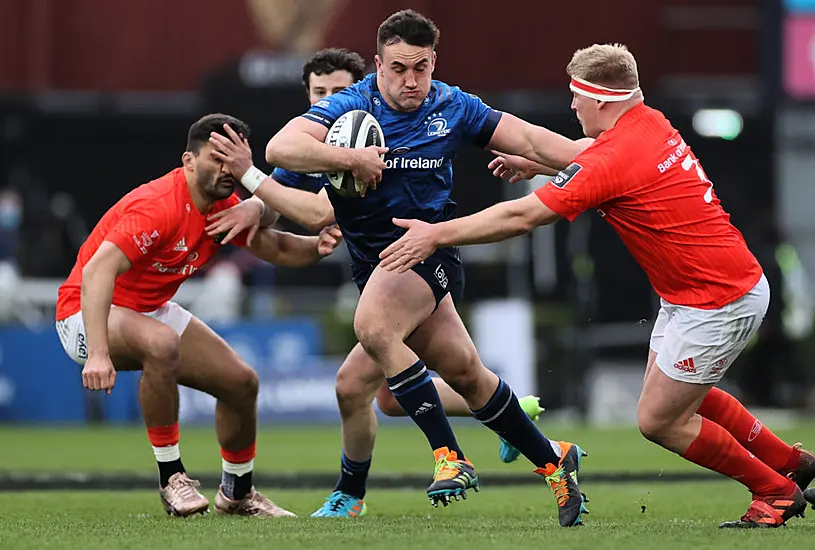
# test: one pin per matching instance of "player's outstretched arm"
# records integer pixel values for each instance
(515, 168)
(497, 223)
(98, 279)
(312, 211)
(300, 206)
(288, 250)
(515, 136)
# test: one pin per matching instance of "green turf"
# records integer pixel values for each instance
(399, 448)
(682, 516)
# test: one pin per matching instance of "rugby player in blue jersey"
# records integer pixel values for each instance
(425, 122)
(359, 379)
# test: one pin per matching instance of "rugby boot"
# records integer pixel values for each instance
(809, 495)
(562, 479)
(254, 504)
(804, 472)
(770, 511)
(341, 505)
(451, 478)
(181, 497)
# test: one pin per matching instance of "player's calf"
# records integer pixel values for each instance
(387, 403)
(158, 396)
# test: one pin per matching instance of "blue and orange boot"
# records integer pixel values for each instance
(451, 478)
(341, 505)
(562, 479)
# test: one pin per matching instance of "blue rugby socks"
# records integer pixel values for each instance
(504, 415)
(414, 390)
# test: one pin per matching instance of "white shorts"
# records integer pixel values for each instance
(699, 345)
(71, 330)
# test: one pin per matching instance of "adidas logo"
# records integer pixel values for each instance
(181, 246)
(685, 365)
(426, 407)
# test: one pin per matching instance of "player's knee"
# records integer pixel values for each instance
(374, 337)
(164, 351)
(350, 390)
(245, 384)
(466, 378)
(387, 403)
(651, 427)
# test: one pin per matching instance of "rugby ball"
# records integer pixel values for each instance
(356, 129)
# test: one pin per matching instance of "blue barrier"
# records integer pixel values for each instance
(800, 6)
(39, 383)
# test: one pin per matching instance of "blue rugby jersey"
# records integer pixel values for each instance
(419, 175)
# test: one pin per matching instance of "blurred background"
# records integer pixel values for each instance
(96, 97)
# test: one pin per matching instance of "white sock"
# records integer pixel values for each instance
(167, 454)
(556, 448)
(238, 469)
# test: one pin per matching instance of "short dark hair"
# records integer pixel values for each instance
(199, 133)
(410, 27)
(331, 60)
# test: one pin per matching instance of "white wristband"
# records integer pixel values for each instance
(252, 179)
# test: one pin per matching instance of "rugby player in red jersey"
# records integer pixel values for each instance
(643, 178)
(115, 313)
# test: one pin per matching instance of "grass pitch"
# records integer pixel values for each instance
(628, 516)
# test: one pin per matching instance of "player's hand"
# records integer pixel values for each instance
(413, 247)
(367, 167)
(233, 151)
(512, 167)
(99, 374)
(330, 238)
(241, 217)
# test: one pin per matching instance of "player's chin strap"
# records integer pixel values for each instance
(598, 92)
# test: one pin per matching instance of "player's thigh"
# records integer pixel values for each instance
(210, 365)
(666, 401)
(391, 306)
(699, 346)
(444, 344)
(359, 377)
(657, 337)
(133, 338)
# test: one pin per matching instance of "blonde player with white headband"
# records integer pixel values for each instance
(643, 178)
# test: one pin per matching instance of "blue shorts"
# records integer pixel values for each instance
(443, 272)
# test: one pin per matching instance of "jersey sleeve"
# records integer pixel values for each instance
(479, 118)
(328, 110)
(140, 230)
(595, 177)
(296, 179)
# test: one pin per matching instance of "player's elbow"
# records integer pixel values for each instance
(522, 221)
(321, 219)
(272, 152)
(526, 224)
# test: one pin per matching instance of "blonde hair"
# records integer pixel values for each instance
(609, 65)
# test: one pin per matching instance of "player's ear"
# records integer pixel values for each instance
(378, 62)
(188, 160)
(433, 62)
